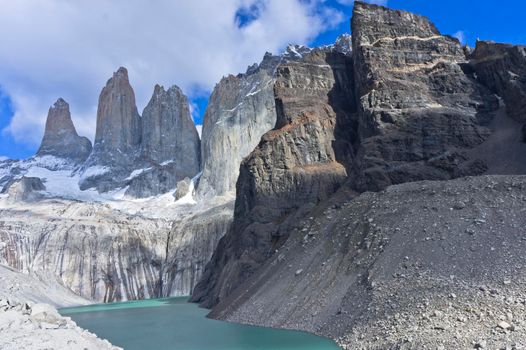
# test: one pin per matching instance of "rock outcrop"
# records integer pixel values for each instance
(118, 136)
(502, 68)
(240, 110)
(25, 189)
(418, 109)
(302, 161)
(169, 133)
(60, 136)
(149, 155)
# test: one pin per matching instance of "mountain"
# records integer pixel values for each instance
(370, 191)
(406, 105)
(60, 136)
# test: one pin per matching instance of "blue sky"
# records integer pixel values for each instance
(484, 19)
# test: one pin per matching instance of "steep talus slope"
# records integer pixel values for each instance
(419, 111)
(416, 266)
(295, 165)
(148, 155)
(60, 136)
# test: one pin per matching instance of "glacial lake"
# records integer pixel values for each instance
(175, 324)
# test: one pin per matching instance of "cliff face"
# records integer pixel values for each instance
(418, 109)
(240, 110)
(502, 68)
(149, 155)
(168, 132)
(60, 136)
(299, 163)
(106, 254)
(404, 106)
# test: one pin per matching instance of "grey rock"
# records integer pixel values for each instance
(240, 110)
(419, 110)
(25, 189)
(502, 68)
(296, 165)
(60, 136)
(183, 187)
(169, 133)
(117, 138)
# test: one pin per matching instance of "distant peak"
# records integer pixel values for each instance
(121, 73)
(61, 104)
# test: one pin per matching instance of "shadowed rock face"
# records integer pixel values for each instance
(60, 137)
(502, 68)
(418, 109)
(295, 165)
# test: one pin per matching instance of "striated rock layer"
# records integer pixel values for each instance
(419, 111)
(60, 136)
(105, 254)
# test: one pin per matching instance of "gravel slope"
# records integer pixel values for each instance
(426, 265)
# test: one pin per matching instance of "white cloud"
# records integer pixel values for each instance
(461, 36)
(376, 2)
(60, 48)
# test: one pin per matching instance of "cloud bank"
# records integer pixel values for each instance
(60, 48)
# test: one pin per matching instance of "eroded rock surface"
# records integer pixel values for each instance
(502, 68)
(60, 136)
(418, 109)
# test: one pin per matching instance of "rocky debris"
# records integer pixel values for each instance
(419, 110)
(502, 68)
(60, 136)
(183, 187)
(169, 133)
(40, 326)
(295, 165)
(26, 189)
(396, 270)
(35, 287)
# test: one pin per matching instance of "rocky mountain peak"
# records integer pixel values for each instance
(168, 131)
(343, 44)
(60, 136)
(118, 122)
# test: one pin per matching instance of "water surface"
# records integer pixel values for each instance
(176, 324)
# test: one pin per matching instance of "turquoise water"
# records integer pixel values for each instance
(176, 324)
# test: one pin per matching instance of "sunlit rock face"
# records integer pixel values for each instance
(60, 136)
